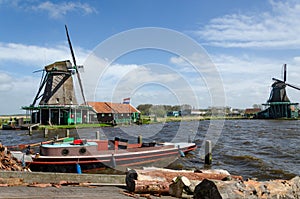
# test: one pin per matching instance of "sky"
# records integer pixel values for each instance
(199, 52)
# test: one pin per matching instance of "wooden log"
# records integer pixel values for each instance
(152, 187)
(145, 184)
(168, 174)
(288, 189)
(157, 180)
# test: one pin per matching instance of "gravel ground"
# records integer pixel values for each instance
(108, 192)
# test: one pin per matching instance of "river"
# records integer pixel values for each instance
(262, 149)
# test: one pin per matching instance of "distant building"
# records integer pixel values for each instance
(173, 113)
(115, 113)
(251, 112)
(199, 112)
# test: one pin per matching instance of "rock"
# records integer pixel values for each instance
(177, 187)
(207, 189)
(250, 189)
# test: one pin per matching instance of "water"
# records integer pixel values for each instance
(262, 149)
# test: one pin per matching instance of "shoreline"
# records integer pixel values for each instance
(145, 121)
(20, 184)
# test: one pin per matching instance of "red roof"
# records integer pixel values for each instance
(252, 110)
(109, 107)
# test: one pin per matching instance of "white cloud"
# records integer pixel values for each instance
(158, 83)
(279, 28)
(19, 91)
(5, 82)
(57, 10)
(38, 55)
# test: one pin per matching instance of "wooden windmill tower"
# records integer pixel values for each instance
(58, 82)
(278, 104)
(58, 103)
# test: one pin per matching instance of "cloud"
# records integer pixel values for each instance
(278, 28)
(5, 82)
(38, 55)
(156, 83)
(55, 10)
(58, 10)
(12, 88)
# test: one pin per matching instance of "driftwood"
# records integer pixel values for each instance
(4, 182)
(155, 180)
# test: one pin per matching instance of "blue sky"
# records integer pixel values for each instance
(247, 41)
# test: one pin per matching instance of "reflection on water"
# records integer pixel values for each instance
(263, 149)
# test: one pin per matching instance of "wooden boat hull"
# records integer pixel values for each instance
(118, 160)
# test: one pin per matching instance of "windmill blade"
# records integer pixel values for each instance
(75, 65)
(292, 86)
(40, 70)
(81, 87)
(278, 80)
(71, 48)
(284, 72)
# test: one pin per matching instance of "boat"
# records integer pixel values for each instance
(97, 156)
(10, 125)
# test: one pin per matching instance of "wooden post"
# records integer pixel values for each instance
(113, 161)
(208, 154)
(67, 132)
(45, 132)
(140, 139)
(30, 130)
(98, 135)
(116, 144)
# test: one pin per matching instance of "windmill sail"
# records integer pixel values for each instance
(75, 66)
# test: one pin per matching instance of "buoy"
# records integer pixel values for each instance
(78, 168)
(181, 153)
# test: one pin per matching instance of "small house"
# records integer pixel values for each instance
(251, 112)
(115, 113)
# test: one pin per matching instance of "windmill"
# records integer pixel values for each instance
(58, 82)
(58, 103)
(279, 105)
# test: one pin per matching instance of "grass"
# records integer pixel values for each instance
(73, 126)
(189, 118)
